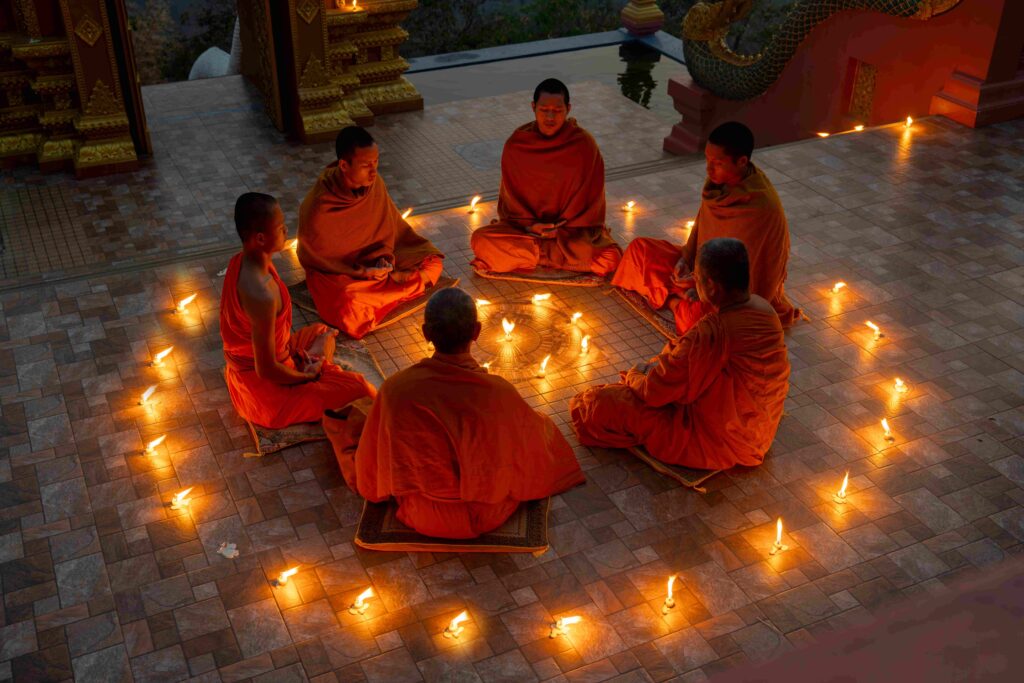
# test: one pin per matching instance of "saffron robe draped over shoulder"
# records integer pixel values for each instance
(750, 212)
(712, 399)
(459, 449)
(339, 233)
(264, 402)
(549, 180)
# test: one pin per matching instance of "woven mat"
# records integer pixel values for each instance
(526, 531)
(687, 476)
(351, 355)
(547, 276)
(662, 319)
(302, 298)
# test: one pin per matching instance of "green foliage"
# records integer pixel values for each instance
(165, 51)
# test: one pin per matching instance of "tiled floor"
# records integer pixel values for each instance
(102, 581)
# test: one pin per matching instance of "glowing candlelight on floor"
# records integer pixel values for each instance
(406, 213)
(542, 370)
(899, 387)
(670, 601)
(910, 122)
(483, 302)
(859, 127)
(629, 206)
(282, 578)
(151, 446)
(455, 629)
(561, 627)
(823, 135)
(158, 358)
(360, 606)
(838, 286)
(537, 298)
(887, 432)
(877, 330)
(181, 500)
(840, 496)
(182, 306)
(508, 326)
(576, 317)
(585, 344)
(146, 395)
(473, 203)
(778, 547)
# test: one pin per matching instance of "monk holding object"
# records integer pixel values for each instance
(458, 448)
(275, 377)
(362, 259)
(738, 201)
(712, 398)
(551, 206)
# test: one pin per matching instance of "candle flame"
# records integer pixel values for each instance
(823, 135)
(406, 213)
(537, 298)
(183, 304)
(158, 358)
(585, 343)
(543, 365)
(629, 205)
(837, 286)
(282, 578)
(181, 498)
(146, 395)
(900, 387)
(474, 202)
(454, 625)
(569, 621)
(508, 326)
(875, 328)
(885, 426)
(846, 480)
(671, 583)
(690, 224)
(778, 531)
(483, 302)
(859, 127)
(151, 446)
(292, 244)
(910, 121)
(362, 597)
(487, 365)
(575, 317)
(355, 5)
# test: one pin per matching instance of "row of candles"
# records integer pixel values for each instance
(859, 127)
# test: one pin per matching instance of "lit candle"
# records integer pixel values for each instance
(899, 387)
(455, 629)
(355, 5)
(542, 370)
(585, 344)
(292, 244)
(282, 578)
(875, 329)
(778, 547)
(840, 496)
(670, 601)
(508, 326)
(910, 122)
(473, 203)
(158, 358)
(838, 286)
(360, 606)
(629, 206)
(483, 302)
(823, 135)
(487, 365)
(690, 224)
(859, 127)
(576, 317)
(887, 432)
(537, 298)
(406, 213)
(146, 394)
(181, 499)
(151, 446)
(561, 627)
(182, 306)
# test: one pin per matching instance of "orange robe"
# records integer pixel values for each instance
(712, 398)
(751, 212)
(548, 180)
(459, 449)
(264, 402)
(338, 232)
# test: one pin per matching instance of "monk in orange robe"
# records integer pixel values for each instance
(551, 205)
(738, 201)
(362, 259)
(458, 448)
(713, 397)
(275, 377)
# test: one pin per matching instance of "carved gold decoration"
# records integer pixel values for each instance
(26, 10)
(325, 121)
(863, 98)
(88, 30)
(56, 47)
(932, 8)
(710, 23)
(308, 9)
(313, 75)
(96, 153)
(17, 145)
(642, 17)
(102, 101)
(56, 150)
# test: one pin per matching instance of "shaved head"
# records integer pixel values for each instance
(736, 139)
(724, 261)
(254, 212)
(450, 320)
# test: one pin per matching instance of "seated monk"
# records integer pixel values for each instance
(738, 201)
(551, 204)
(458, 448)
(713, 397)
(275, 377)
(362, 259)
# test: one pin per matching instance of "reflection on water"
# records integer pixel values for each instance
(637, 81)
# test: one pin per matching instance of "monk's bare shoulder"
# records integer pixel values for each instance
(759, 304)
(258, 292)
